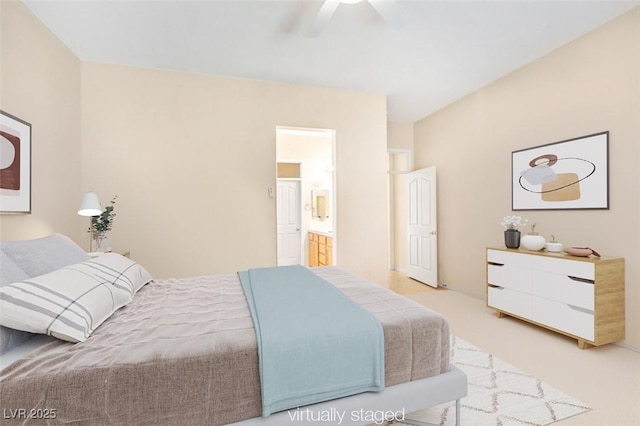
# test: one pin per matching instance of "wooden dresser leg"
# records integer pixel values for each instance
(500, 314)
(583, 345)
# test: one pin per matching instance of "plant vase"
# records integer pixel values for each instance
(101, 244)
(512, 238)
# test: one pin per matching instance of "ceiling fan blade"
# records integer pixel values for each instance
(322, 18)
(390, 11)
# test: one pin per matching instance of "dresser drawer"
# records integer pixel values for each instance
(509, 276)
(564, 317)
(507, 258)
(574, 268)
(564, 289)
(513, 302)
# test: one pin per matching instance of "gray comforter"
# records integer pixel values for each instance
(184, 352)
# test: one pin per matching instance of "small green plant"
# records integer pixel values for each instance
(102, 224)
(533, 229)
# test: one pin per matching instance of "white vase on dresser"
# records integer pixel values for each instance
(532, 242)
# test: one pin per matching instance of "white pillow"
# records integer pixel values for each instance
(70, 303)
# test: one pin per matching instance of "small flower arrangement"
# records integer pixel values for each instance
(102, 224)
(513, 222)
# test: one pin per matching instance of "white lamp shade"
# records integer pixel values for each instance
(90, 205)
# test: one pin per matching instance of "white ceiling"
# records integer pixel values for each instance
(443, 51)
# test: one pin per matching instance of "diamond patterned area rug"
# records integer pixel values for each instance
(500, 394)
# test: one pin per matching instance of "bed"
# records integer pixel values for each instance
(183, 351)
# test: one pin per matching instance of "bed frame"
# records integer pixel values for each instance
(410, 397)
(405, 397)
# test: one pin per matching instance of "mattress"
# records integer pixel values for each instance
(184, 352)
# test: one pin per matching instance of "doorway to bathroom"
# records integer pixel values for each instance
(305, 166)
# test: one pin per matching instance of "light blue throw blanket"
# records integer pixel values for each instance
(314, 343)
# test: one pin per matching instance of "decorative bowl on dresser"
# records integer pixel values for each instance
(580, 297)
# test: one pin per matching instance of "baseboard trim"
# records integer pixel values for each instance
(466, 293)
(628, 347)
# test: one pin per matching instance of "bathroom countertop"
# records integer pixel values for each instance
(322, 232)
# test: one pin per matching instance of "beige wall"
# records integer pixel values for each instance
(400, 135)
(588, 86)
(40, 83)
(196, 153)
(191, 157)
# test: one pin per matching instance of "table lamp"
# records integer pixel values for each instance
(90, 206)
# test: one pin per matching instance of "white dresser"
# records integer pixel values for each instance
(581, 297)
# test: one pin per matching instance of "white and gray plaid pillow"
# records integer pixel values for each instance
(70, 303)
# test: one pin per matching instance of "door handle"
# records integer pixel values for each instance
(433, 232)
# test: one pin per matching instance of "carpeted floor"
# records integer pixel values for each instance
(500, 394)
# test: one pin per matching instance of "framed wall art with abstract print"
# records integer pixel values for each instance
(571, 174)
(15, 164)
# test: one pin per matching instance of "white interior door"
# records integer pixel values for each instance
(288, 227)
(423, 241)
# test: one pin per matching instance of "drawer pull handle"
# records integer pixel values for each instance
(582, 280)
(497, 287)
(579, 309)
(496, 264)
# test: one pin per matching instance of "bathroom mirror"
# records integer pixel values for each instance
(320, 203)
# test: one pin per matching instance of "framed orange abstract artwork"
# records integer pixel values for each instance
(571, 174)
(15, 164)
